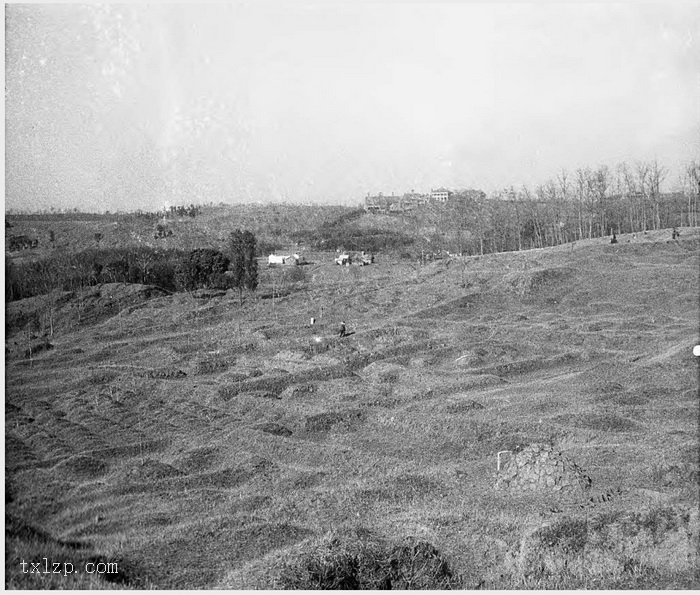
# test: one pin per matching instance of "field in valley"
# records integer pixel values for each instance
(199, 443)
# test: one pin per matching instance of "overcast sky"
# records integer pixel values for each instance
(139, 106)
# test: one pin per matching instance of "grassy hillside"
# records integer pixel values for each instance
(203, 444)
(271, 223)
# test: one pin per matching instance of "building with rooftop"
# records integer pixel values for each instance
(440, 195)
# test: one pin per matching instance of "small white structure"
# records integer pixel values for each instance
(292, 259)
(276, 259)
(366, 259)
(343, 259)
(285, 259)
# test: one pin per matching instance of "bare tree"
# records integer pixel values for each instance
(547, 196)
(691, 187)
(642, 171)
(564, 199)
(583, 191)
(657, 174)
(601, 184)
(627, 189)
(534, 222)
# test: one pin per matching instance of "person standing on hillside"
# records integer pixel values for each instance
(341, 333)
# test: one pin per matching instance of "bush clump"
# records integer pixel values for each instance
(170, 269)
(73, 271)
(362, 561)
(201, 269)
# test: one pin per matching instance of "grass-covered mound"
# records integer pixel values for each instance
(356, 559)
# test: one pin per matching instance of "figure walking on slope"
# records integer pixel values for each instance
(341, 334)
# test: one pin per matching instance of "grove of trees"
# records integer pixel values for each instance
(202, 268)
(171, 269)
(591, 202)
(70, 271)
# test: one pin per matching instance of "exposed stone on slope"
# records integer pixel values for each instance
(540, 467)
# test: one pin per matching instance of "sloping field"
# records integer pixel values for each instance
(210, 228)
(200, 444)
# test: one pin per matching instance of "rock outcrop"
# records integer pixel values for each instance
(540, 467)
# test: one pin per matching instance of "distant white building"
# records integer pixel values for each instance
(440, 195)
(409, 201)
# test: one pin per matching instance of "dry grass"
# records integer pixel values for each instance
(361, 561)
(243, 471)
(26, 543)
(619, 546)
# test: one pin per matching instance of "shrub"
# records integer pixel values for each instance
(362, 561)
(202, 268)
(243, 264)
(162, 274)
